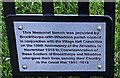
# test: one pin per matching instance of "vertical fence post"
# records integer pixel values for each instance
(8, 7)
(109, 9)
(48, 9)
(83, 9)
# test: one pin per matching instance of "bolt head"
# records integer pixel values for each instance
(99, 66)
(24, 67)
(20, 27)
(99, 28)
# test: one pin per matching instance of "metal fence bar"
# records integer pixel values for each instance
(83, 8)
(109, 9)
(48, 9)
(9, 8)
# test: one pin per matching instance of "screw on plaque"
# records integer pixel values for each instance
(20, 27)
(24, 67)
(99, 66)
(99, 28)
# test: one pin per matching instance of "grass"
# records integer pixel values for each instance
(0, 42)
(59, 8)
(117, 42)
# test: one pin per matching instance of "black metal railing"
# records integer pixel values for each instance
(83, 9)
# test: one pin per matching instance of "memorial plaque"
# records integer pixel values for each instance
(60, 45)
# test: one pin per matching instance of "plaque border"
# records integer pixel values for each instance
(37, 18)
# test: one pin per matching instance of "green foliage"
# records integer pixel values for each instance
(28, 8)
(0, 42)
(65, 8)
(117, 41)
(96, 8)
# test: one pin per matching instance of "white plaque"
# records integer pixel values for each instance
(61, 46)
